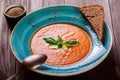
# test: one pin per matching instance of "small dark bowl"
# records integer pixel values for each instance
(12, 20)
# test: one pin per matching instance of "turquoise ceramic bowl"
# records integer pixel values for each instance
(24, 30)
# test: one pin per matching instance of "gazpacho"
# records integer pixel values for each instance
(63, 43)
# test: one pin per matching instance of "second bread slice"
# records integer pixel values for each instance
(95, 15)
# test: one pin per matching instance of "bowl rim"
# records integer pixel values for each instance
(66, 74)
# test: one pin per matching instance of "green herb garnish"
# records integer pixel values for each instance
(59, 42)
(50, 40)
(70, 43)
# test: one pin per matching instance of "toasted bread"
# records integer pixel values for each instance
(95, 15)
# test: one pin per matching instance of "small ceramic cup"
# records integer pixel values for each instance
(13, 13)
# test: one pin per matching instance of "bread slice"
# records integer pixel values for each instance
(95, 15)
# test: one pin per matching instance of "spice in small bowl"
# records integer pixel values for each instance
(13, 13)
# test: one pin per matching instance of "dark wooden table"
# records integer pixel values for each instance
(109, 69)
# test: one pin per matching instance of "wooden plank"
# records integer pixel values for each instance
(7, 60)
(115, 15)
(52, 2)
(35, 5)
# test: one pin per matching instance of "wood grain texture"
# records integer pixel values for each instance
(107, 70)
(52, 2)
(7, 60)
(115, 16)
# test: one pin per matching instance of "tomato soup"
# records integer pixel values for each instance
(61, 57)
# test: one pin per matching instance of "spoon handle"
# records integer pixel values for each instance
(14, 75)
(11, 77)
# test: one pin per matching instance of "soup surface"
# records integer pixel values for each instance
(61, 57)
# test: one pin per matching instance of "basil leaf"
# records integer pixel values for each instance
(71, 43)
(50, 41)
(59, 44)
(59, 40)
